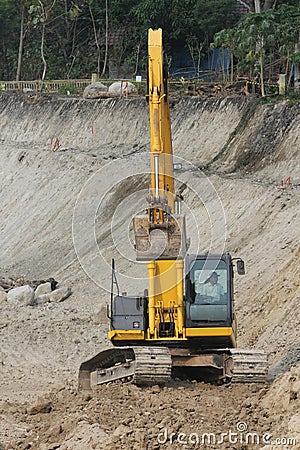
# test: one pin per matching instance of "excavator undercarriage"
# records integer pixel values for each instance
(157, 365)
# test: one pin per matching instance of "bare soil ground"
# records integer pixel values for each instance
(42, 347)
(180, 415)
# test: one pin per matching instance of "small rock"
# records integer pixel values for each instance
(155, 389)
(40, 406)
(44, 288)
(120, 431)
(59, 387)
(23, 295)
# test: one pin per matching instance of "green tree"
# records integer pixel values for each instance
(263, 42)
(41, 13)
(187, 23)
(9, 23)
(72, 38)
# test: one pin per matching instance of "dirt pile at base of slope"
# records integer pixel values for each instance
(181, 415)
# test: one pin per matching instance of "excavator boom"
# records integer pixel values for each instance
(161, 156)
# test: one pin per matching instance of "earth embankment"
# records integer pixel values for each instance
(51, 154)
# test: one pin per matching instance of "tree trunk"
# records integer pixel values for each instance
(20, 44)
(260, 48)
(137, 59)
(191, 50)
(297, 69)
(257, 6)
(106, 39)
(97, 41)
(45, 15)
(72, 54)
(263, 93)
(199, 50)
(42, 52)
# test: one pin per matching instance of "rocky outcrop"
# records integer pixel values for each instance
(94, 90)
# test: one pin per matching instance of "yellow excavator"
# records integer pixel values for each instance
(184, 326)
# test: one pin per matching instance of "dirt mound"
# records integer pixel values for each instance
(128, 417)
(185, 414)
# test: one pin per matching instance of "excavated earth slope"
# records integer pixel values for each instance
(65, 213)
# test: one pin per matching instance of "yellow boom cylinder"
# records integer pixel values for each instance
(180, 303)
(151, 297)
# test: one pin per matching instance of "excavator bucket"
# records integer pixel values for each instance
(166, 242)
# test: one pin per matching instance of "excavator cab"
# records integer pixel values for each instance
(209, 293)
(209, 298)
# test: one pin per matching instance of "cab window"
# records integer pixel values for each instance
(209, 279)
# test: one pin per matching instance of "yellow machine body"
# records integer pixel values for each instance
(166, 304)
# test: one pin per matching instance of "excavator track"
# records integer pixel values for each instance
(248, 366)
(140, 365)
(153, 365)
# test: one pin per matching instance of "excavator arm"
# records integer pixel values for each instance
(161, 158)
(161, 234)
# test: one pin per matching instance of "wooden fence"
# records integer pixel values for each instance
(52, 86)
(177, 87)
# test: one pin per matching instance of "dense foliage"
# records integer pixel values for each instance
(263, 44)
(73, 38)
(61, 39)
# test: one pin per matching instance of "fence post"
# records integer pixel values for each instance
(94, 77)
(282, 84)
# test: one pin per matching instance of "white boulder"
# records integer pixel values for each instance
(58, 295)
(43, 288)
(121, 87)
(94, 90)
(23, 295)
